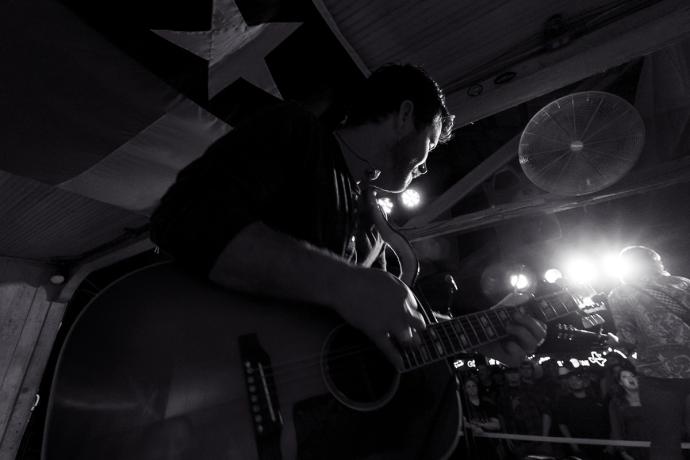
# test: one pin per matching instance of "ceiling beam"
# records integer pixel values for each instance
(460, 189)
(637, 34)
(658, 177)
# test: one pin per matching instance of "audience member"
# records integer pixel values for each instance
(523, 412)
(479, 416)
(580, 415)
(626, 414)
(487, 388)
(611, 370)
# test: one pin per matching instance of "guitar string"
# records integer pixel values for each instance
(417, 362)
(316, 359)
(442, 325)
(283, 369)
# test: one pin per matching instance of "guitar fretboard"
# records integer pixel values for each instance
(462, 334)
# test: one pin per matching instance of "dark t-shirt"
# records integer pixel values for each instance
(585, 417)
(284, 169)
(480, 413)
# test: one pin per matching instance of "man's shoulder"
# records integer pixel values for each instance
(288, 112)
(679, 282)
(273, 124)
(623, 292)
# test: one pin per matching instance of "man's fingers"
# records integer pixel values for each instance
(508, 352)
(537, 328)
(416, 319)
(523, 337)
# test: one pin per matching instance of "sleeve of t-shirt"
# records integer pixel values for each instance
(235, 183)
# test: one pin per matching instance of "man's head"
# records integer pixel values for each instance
(410, 108)
(640, 263)
(512, 376)
(627, 378)
(484, 373)
(526, 371)
(471, 388)
(576, 381)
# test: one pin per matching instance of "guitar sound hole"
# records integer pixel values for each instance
(356, 372)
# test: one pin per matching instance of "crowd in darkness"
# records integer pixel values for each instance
(548, 400)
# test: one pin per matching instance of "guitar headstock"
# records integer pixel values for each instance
(581, 338)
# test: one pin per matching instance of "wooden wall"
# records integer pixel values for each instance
(29, 320)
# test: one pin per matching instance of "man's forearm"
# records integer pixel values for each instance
(260, 260)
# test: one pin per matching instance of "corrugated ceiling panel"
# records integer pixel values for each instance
(450, 38)
(42, 222)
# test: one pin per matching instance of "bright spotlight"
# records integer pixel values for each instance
(411, 198)
(581, 271)
(386, 204)
(613, 266)
(519, 281)
(552, 275)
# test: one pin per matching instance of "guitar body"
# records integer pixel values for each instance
(154, 369)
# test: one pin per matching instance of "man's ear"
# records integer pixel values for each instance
(405, 116)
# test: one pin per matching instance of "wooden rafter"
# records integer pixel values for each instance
(638, 34)
(659, 177)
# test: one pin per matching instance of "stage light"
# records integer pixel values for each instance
(411, 198)
(581, 271)
(386, 204)
(552, 275)
(612, 264)
(519, 281)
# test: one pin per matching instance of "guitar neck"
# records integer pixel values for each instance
(465, 333)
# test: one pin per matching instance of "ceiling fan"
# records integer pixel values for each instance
(581, 143)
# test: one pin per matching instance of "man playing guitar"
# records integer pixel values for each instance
(277, 209)
(272, 208)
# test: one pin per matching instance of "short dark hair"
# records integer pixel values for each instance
(382, 93)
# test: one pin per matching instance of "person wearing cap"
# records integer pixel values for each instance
(523, 412)
(651, 311)
(579, 414)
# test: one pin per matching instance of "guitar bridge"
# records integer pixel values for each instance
(262, 396)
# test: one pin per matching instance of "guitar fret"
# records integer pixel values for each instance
(433, 339)
(486, 326)
(408, 358)
(445, 338)
(471, 331)
(428, 345)
(407, 362)
(553, 307)
(503, 317)
(497, 324)
(478, 329)
(460, 332)
(425, 353)
(438, 343)
(455, 343)
(417, 355)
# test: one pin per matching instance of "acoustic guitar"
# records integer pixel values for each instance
(162, 365)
